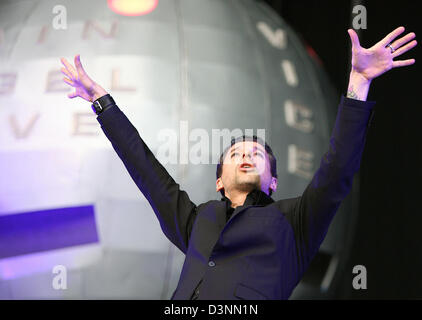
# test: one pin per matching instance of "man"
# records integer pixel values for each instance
(248, 246)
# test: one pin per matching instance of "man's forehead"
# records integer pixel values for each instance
(246, 144)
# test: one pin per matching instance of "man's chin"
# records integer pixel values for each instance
(248, 185)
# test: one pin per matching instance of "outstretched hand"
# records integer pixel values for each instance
(84, 86)
(373, 62)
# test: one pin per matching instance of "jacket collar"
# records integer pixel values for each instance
(254, 198)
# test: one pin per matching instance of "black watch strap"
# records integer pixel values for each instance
(102, 104)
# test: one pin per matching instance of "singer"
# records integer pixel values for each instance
(247, 245)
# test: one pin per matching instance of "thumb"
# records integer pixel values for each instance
(354, 38)
(72, 95)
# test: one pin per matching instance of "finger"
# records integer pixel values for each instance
(354, 38)
(66, 73)
(399, 42)
(404, 49)
(68, 81)
(78, 65)
(69, 67)
(72, 95)
(391, 36)
(403, 63)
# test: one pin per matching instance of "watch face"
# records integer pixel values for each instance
(96, 107)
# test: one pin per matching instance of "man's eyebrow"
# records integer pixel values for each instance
(260, 148)
(234, 148)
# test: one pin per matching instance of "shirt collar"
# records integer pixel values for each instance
(255, 197)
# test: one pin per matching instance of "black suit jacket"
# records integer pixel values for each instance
(262, 251)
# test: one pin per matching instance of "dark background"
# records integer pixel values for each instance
(388, 238)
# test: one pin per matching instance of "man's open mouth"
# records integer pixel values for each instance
(247, 167)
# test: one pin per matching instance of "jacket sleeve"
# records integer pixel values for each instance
(311, 214)
(171, 205)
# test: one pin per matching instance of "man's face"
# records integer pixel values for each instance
(246, 166)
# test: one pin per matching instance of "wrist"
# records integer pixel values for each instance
(98, 92)
(102, 104)
(358, 86)
(359, 78)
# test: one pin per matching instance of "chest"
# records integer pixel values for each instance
(250, 230)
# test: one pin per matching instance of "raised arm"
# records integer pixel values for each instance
(312, 213)
(172, 206)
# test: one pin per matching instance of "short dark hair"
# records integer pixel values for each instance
(273, 161)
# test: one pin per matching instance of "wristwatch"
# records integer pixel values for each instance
(102, 104)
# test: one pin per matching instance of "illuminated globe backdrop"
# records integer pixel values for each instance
(172, 66)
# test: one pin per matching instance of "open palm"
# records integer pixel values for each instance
(84, 86)
(378, 59)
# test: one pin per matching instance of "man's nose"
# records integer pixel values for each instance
(249, 154)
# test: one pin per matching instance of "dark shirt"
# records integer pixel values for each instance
(255, 197)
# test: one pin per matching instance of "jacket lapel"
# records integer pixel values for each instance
(221, 214)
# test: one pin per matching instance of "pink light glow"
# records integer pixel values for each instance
(132, 7)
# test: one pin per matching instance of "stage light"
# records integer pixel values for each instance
(132, 7)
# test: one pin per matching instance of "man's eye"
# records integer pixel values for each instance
(235, 154)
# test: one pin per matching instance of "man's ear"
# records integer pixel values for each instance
(273, 184)
(219, 185)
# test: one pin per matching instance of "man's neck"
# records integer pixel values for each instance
(237, 198)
